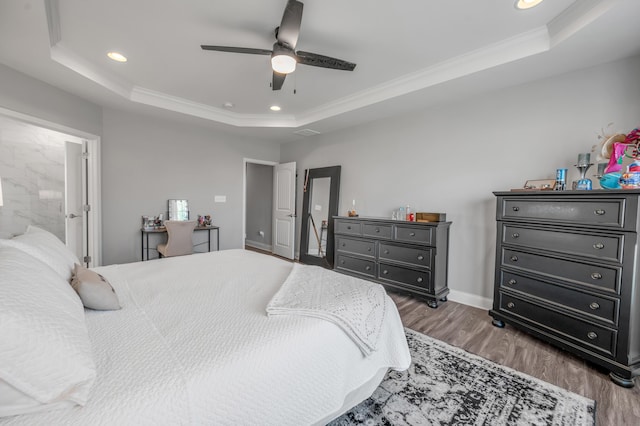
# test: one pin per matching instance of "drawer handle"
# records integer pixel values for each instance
(512, 282)
(367, 268)
(515, 235)
(344, 244)
(377, 229)
(342, 262)
(412, 234)
(598, 246)
(594, 306)
(511, 305)
(516, 208)
(599, 212)
(386, 251)
(419, 279)
(596, 276)
(368, 248)
(349, 227)
(514, 258)
(385, 272)
(592, 335)
(420, 257)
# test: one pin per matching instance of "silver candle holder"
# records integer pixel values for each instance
(584, 163)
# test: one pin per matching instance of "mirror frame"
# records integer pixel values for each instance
(334, 198)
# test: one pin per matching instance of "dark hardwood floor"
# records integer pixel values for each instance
(470, 328)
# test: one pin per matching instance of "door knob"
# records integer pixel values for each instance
(72, 216)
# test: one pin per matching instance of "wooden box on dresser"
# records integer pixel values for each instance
(407, 256)
(567, 267)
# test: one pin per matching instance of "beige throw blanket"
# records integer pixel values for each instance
(357, 306)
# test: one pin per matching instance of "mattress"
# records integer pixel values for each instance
(193, 345)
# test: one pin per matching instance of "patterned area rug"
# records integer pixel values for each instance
(448, 386)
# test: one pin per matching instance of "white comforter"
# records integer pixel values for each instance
(193, 345)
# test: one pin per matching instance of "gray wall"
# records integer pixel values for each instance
(146, 161)
(259, 205)
(21, 93)
(450, 158)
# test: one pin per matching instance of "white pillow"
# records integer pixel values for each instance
(45, 353)
(47, 248)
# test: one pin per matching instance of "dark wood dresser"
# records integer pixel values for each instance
(407, 256)
(567, 272)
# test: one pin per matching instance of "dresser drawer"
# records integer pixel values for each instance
(405, 277)
(352, 264)
(347, 227)
(599, 277)
(355, 246)
(584, 333)
(599, 307)
(608, 212)
(421, 257)
(376, 231)
(601, 246)
(416, 235)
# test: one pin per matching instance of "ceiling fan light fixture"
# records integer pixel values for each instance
(527, 4)
(283, 63)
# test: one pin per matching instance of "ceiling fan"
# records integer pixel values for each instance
(283, 56)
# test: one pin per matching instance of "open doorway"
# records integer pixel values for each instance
(50, 180)
(259, 206)
(269, 209)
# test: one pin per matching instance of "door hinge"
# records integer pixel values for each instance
(86, 207)
(85, 155)
(86, 259)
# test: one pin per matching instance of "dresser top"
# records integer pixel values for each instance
(386, 220)
(591, 193)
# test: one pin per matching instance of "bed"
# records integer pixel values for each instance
(193, 344)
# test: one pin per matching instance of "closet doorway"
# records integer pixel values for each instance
(269, 207)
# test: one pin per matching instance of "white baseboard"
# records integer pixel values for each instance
(256, 244)
(470, 299)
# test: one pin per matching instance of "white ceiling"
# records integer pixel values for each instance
(410, 54)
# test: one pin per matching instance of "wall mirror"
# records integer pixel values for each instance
(319, 205)
(178, 210)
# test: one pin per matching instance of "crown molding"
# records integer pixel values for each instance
(569, 22)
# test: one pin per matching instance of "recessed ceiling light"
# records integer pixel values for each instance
(527, 4)
(275, 108)
(118, 57)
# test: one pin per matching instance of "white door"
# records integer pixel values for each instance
(284, 208)
(74, 214)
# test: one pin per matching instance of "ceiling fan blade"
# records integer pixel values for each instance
(289, 29)
(315, 60)
(237, 49)
(278, 80)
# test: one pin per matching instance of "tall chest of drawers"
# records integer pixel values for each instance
(567, 267)
(407, 256)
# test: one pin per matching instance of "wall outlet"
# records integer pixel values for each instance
(220, 199)
(318, 207)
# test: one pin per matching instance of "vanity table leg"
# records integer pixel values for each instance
(147, 246)
(209, 240)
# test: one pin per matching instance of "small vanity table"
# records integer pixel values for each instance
(144, 233)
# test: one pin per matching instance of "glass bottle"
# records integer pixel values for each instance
(401, 215)
(407, 213)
